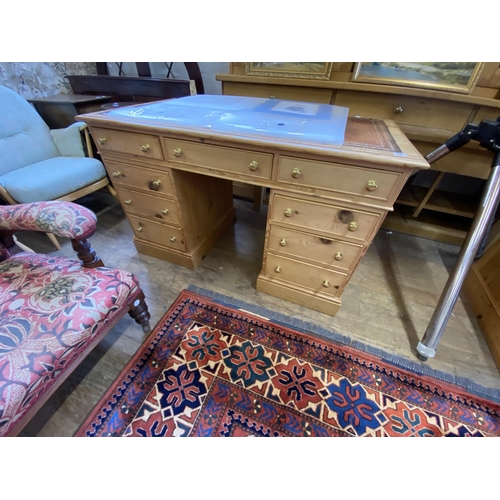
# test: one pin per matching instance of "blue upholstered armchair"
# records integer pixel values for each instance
(39, 164)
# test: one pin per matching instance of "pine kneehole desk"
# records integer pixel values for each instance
(173, 173)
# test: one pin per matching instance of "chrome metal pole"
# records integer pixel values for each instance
(437, 153)
(489, 202)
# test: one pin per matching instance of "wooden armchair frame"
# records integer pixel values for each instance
(80, 193)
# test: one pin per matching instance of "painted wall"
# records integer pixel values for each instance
(42, 79)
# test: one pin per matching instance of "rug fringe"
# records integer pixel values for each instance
(418, 368)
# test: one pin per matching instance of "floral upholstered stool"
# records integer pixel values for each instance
(53, 310)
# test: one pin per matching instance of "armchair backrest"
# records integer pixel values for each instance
(24, 136)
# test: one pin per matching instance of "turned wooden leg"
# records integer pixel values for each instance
(12, 243)
(54, 240)
(139, 311)
(112, 191)
(22, 246)
(86, 253)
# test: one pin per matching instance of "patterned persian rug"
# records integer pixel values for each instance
(212, 369)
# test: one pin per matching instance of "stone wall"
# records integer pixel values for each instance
(42, 79)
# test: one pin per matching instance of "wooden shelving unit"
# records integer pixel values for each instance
(437, 226)
(440, 201)
(433, 213)
(427, 117)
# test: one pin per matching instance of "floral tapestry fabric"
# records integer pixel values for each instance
(62, 218)
(51, 308)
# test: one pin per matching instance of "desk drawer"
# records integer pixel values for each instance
(332, 219)
(146, 146)
(144, 179)
(369, 183)
(278, 92)
(326, 251)
(247, 163)
(406, 110)
(155, 232)
(314, 278)
(149, 206)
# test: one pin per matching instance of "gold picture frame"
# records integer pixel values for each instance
(447, 76)
(310, 70)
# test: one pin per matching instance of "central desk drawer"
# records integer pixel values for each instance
(147, 146)
(332, 219)
(314, 278)
(155, 232)
(248, 163)
(153, 207)
(326, 251)
(369, 183)
(144, 179)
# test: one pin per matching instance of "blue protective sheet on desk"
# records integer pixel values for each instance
(248, 116)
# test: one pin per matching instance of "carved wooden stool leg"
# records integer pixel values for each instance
(139, 311)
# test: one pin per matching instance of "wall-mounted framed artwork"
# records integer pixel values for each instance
(312, 70)
(446, 76)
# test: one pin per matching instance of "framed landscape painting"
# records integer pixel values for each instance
(448, 76)
(314, 70)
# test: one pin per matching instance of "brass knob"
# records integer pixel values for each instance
(288, 212)
(277, 269)
(101, 140)
(283, 242)
(128, 202)
(371, 185)
(177, 152)
(326, 284)
(398, 110)
(164, 211)
(253, 166)
(139, 229)
(353, 226)
(296, 173)
(145, 148)
(116, 174)
(172, 239)
(157, 183)
(338, 256)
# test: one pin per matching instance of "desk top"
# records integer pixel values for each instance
(249, 116)
(289, 125)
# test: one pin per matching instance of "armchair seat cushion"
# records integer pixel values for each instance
(49, 180)
(52, 313)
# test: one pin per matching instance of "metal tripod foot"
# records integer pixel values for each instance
(424, 352)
